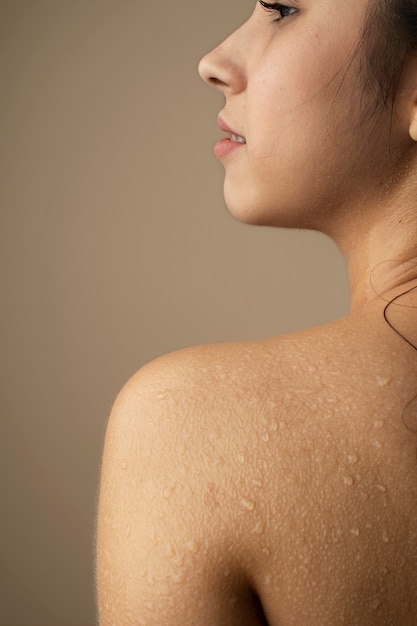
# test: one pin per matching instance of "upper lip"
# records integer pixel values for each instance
(227, 128)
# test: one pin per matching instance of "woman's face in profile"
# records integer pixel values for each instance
(290, 77)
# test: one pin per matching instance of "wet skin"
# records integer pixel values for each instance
(276, 474)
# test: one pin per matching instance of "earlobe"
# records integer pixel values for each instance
(405, 97)
(410, 97)
(413, 126)
(412, 129)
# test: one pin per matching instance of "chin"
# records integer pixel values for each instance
(246, 209)
(256, 213)
(246, 215)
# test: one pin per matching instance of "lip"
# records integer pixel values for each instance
(227, 145)
(223, 126)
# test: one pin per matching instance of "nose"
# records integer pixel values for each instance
(223, 67)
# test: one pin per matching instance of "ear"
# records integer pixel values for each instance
(413, 125)
(408, 95)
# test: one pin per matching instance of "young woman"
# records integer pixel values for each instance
(275, 482)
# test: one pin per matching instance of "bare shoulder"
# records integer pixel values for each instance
(167, 539)
(237, 476)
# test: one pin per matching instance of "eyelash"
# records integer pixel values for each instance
(276, 7)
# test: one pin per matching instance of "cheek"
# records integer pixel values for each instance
(286, 130)
(288, 102)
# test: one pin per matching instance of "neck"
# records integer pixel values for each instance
(381, 253)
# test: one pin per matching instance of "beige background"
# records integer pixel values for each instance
(115, 247)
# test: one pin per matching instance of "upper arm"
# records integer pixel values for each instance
(166, 544)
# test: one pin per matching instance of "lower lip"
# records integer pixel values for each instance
(226, 146)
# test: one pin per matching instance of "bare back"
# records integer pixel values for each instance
(270, 482)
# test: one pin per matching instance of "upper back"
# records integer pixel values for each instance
(339, 484)
(283, 471)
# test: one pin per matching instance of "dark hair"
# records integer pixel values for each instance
(390, 36)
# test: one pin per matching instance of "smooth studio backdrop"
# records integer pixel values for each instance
(116, 247)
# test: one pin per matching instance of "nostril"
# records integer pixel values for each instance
(216, 82)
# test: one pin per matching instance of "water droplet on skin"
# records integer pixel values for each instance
(375, 604)
(168, 492)
(266, 552)
(355, 531)
(249, 505)
(265, 437)
(143, 572)
(151, 581)
(273, 426)
(268, 580)
(385, 537)
(124, 465)
(381, 381)
(378, 424)
(377, 444)
(256, 483)
(258, 529)
(169, 550)
(352, 459)
(241, 458)
(381, 488)
(348, 480)
(178, 577)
